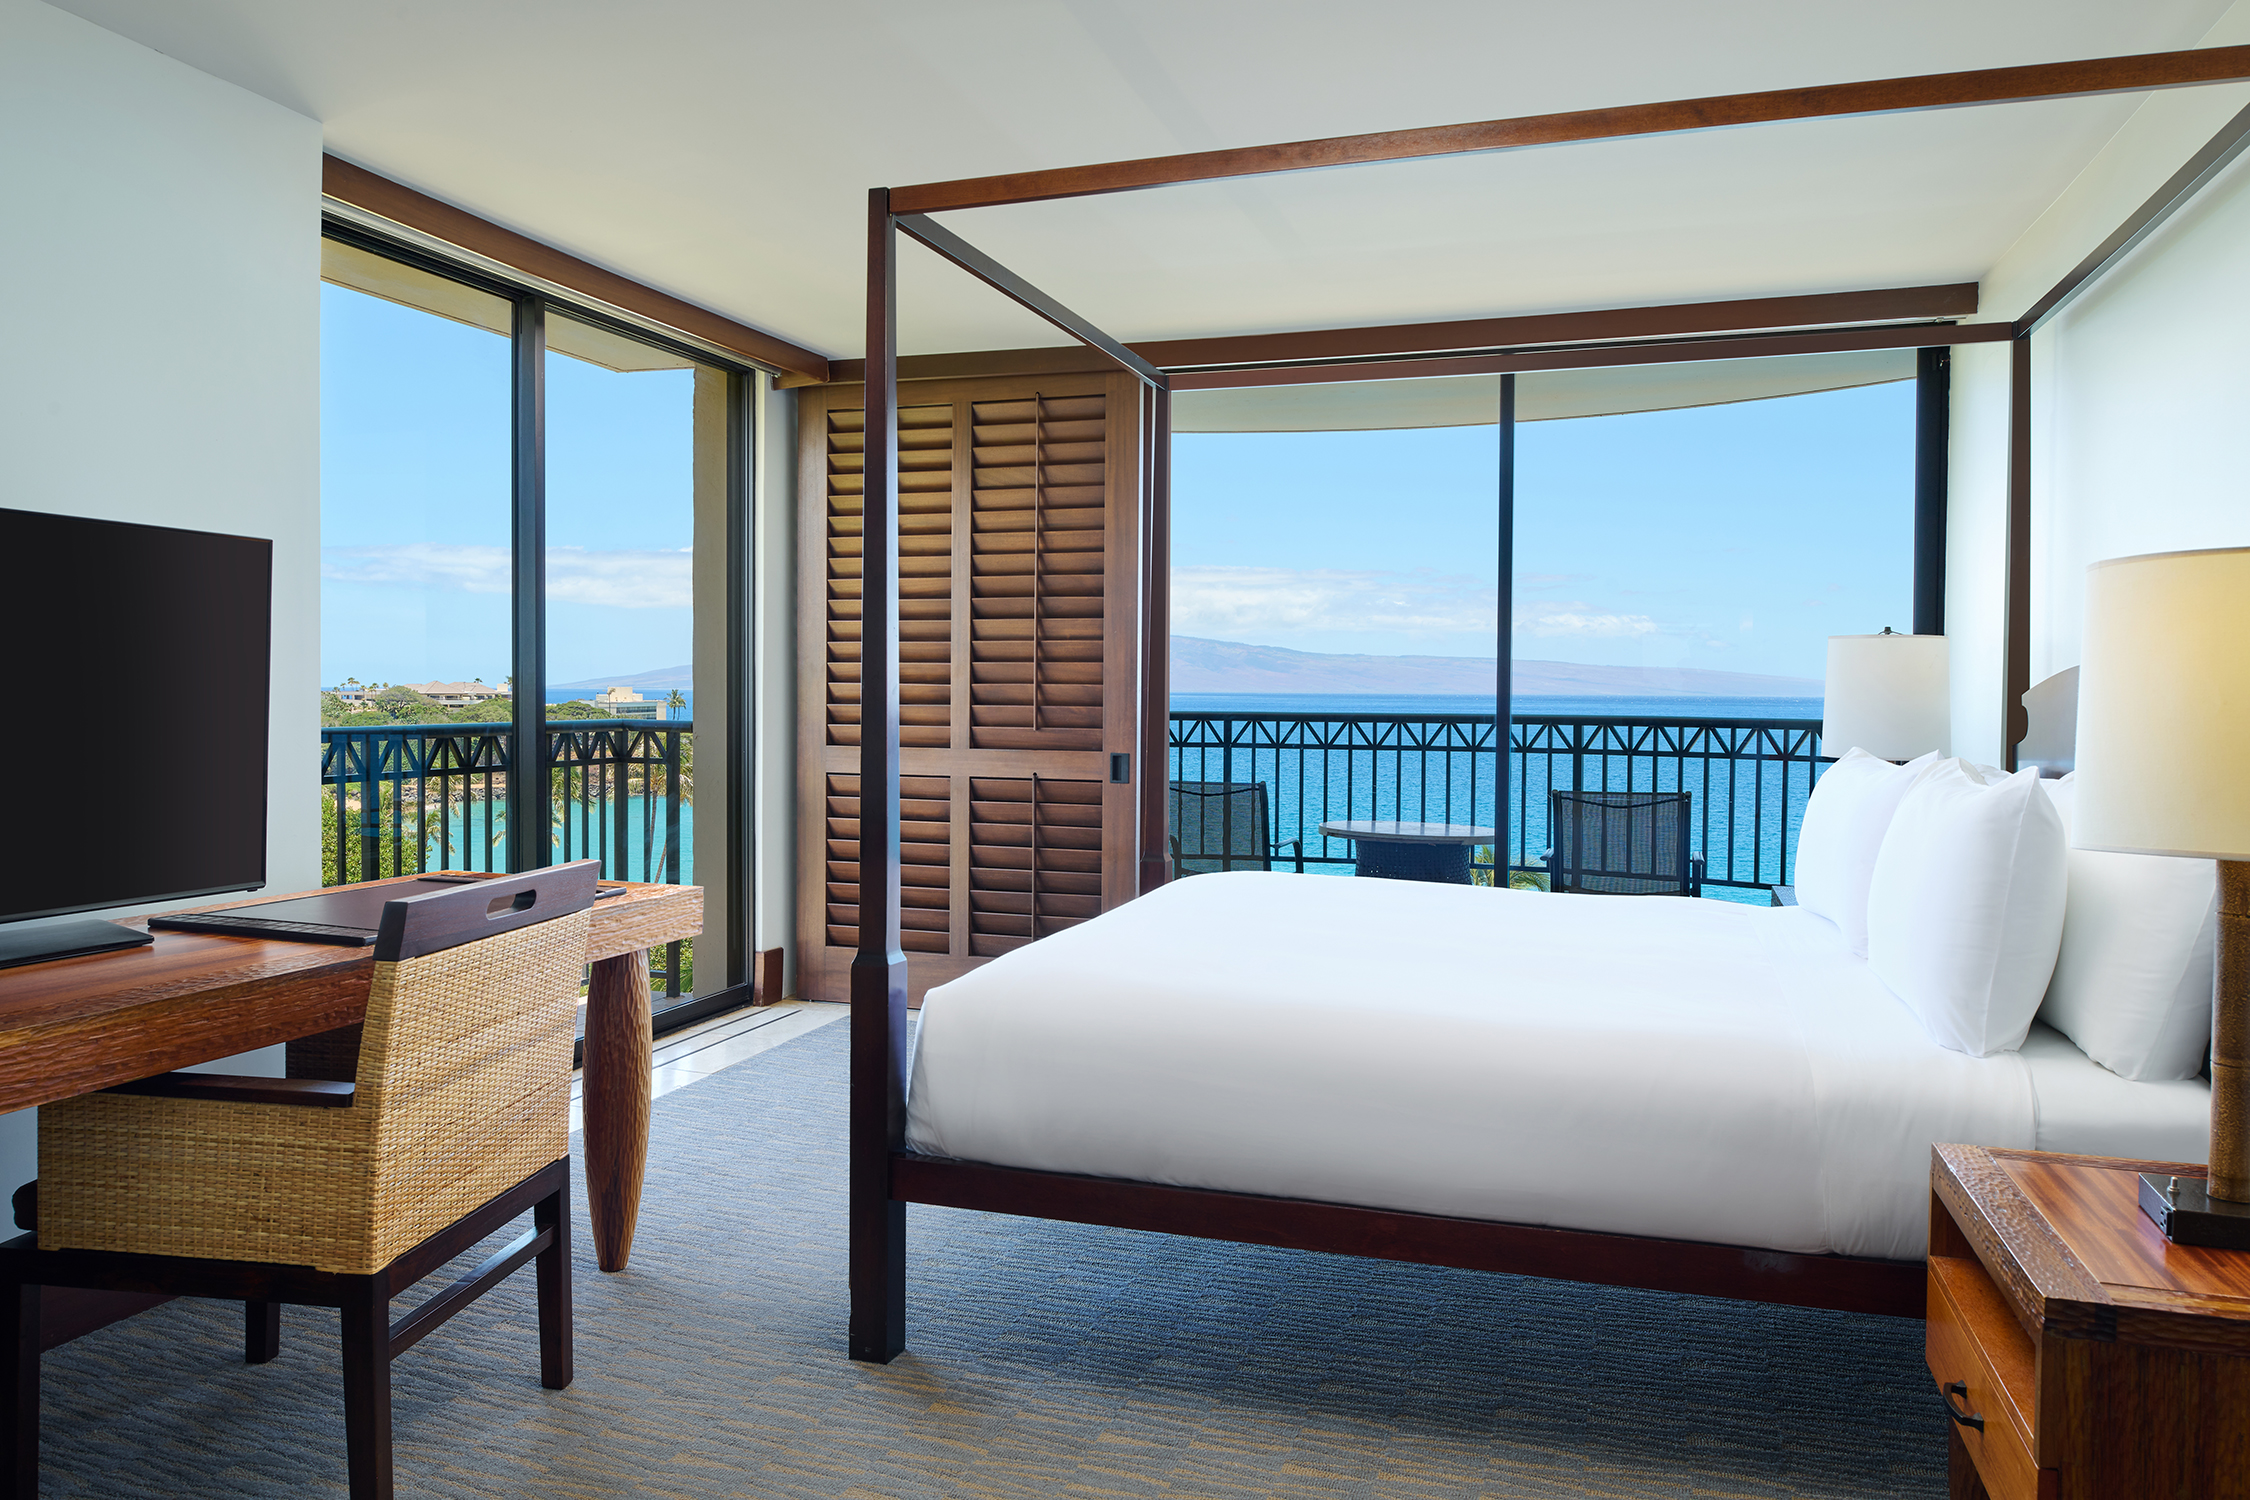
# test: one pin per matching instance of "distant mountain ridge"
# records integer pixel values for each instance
(662, 679)
(1204, 666)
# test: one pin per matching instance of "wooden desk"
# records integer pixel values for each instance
(2102, 1361)
(75, 1025)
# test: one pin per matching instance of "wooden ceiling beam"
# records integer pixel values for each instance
(355, 185)
(1677, 351)
(1483, 335)
(1884, 305)
(2062, 80)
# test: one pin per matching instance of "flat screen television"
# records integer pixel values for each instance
(134, 667)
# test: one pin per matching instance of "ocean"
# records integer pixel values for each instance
(1604, 707)
(1746, 809)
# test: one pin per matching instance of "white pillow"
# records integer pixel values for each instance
(1966, 908)
(2132, 983)
(1845, 819)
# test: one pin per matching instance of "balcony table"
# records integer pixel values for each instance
(72, 1026)
(1389, 850)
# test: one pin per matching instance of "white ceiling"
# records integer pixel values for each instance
(721, 150)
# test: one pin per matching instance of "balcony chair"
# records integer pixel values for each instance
(327, 1193)
(1224, 825)
(1622, 843)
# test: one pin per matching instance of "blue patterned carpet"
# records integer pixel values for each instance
(1045, 1360)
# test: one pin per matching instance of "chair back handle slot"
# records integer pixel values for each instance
(417, 925)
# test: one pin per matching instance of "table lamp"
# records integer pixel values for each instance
(2164, 768)
(1888, 694)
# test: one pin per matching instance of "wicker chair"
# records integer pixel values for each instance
(1224, 825)
(1623, 843)
(338, 1194)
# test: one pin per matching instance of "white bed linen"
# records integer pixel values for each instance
(1690, 1069)
(2086, 1108)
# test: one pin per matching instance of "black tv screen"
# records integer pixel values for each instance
(134, 663)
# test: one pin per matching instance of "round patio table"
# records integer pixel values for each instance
(1386, 850)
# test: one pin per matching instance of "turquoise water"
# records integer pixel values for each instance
(1746, 809)
(470, 838)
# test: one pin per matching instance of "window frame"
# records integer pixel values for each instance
(529, 796)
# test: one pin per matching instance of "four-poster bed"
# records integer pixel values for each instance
(884, 1175)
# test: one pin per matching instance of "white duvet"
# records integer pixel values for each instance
(1687, 1069)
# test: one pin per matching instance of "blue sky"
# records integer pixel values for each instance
(1735, 537)
(414, 504)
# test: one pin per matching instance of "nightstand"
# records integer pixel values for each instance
(2080, 1355)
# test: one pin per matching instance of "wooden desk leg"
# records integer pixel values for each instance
(616, 1099)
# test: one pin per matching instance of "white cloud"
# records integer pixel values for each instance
(1579, 618)
(1239, 603)
(632, 579)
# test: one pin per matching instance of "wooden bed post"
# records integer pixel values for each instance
(1933, 422)
(2016, 670)
(878, 1019)
(1156, 650)
(1504, 685)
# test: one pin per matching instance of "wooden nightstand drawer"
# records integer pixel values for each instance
(1976, 1348)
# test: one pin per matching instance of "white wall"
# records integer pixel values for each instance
(2141, 396)
(2143, 436)
(159, 292)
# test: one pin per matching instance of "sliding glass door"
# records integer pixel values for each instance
(531, 518)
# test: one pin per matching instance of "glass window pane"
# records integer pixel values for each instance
(635, 471)
(1335, 619)
(1690, 564)
(415, 643)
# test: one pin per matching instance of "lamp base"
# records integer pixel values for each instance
(2189, 1215)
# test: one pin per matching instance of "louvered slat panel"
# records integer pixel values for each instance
(925, 544)
(1035, 859)
(1039, 528)
(925, 862)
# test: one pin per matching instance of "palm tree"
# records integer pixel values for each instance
(675, 704)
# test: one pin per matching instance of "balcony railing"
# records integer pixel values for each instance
(402, 798)
(1750, 778)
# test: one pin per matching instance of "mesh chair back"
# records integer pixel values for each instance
(1621, 843)
(1220, 825)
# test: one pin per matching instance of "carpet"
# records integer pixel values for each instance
(1044, 1360)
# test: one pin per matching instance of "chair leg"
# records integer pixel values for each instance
(19, 1392)
(553, 1271)
(367, 1385)
(261, 1332)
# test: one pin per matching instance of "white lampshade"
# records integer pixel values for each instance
(1891, 695)
(2164, 706)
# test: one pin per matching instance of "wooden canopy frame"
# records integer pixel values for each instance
(885, 1176)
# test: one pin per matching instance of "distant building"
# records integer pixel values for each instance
(456, 694)
(444, 694)
(624, 703)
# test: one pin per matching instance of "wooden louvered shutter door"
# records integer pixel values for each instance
(1019, 507)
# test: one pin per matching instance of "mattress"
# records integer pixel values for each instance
(1697, 1070)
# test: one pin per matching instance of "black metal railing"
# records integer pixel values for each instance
(402, 798)
(1751, 778)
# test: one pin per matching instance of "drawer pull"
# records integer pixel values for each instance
(1960, 1414)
